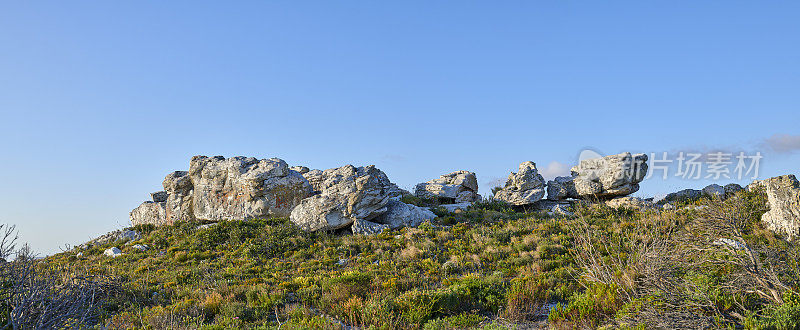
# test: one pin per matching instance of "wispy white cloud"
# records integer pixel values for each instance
(555, 169)
(782, 143)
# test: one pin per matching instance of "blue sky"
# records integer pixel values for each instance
(100, 100)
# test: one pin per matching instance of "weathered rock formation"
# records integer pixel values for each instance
(783, 196)
(216, 188)
(241, 188)
(459, 186)
(346, 194)
(178, 204)
(150, 212)
(601, 178)
(315, 179)
(525, 187)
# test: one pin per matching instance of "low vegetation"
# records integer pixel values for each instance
(708, 264)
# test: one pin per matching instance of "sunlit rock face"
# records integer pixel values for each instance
(783, 196)
(345, 194)
(524, 187)
(458, 186)
(241, 188)
(601, 178)
(216, 188)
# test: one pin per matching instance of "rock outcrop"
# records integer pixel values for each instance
(683, 195)
(783, 197)
(713, 191)
(347, 193)
(525, 187)
(601, 178)
(216, 189)
(731, 189)
(458, 186)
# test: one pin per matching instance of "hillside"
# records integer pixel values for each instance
(706, 262)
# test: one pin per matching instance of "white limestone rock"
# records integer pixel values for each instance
(400, 214)
(364, 227)
(783, 196)
(346, 193)
(242, 188)
(525, 187)
(458, 186)
(112, 252)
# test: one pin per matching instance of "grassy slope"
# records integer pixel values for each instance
(488, 267)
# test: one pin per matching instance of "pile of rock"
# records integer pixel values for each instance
(595, 179)
(455, 187)
(601, 178)
(710, 191)
(243, 188)
(366, 201)
(525, 187)
(348, 194)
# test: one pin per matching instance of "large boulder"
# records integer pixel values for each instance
(525, 187)
(601, 178)
(399, 214)
(241, 188)
(150, 212)
(345, 194)
(783, 196)
(364, 227)
(458, 186)
(560, 188)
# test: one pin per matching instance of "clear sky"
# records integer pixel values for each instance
(100, 100)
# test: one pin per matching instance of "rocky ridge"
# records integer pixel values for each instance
(364, 200)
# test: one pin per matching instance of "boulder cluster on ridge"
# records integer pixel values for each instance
(364, 200)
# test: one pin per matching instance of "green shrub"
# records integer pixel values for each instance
(418, 306)
(590, 308)
(473, 292)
